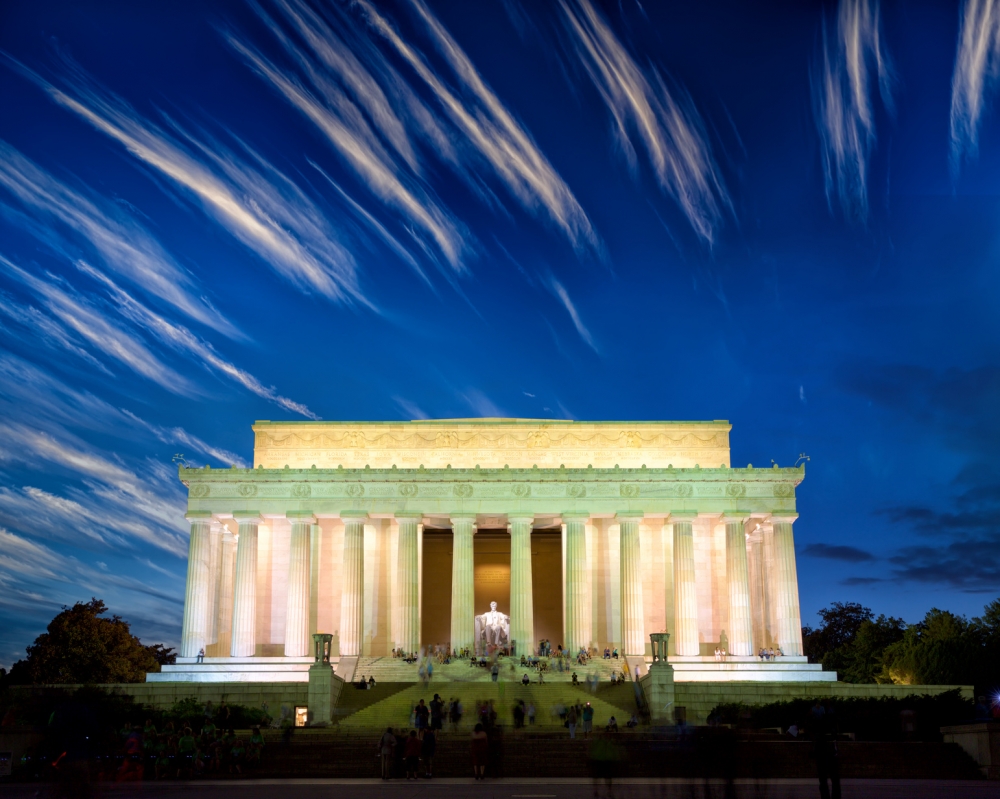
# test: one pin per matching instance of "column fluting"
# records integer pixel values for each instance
(686, 641)
(297, 600)
(227, 579)
(522, 608)
(244, 638)
(463, 528)
(214, 571)
(408, 638)
(786, 586)
(194, 632)
(577, 632)
(633, 632)
(352, 606)
(737, 574)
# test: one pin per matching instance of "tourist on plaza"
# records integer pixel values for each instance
(575, 679)
(588, 720)
(428, 747)
(614, 678)
(480, 752)
(386, 747)
(495, 672)
(437, 711)
(607, 653)
(237, 755)
(455, 713)
(255, 747)
(530, 711)
(421, 715)
(525, 679)
(571, 718)
(201, 655)
(412, 755)
(518, 714)
(371, 682)
(612, 725)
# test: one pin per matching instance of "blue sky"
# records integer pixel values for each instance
(782, 215)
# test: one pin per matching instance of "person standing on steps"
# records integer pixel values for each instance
(386, 748)
(588, 720)
(480, 752)
(428, 747)
(571, 721)
(412, 755)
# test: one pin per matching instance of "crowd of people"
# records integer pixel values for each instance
(183, 753)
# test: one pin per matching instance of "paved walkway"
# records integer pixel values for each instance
(521, 789)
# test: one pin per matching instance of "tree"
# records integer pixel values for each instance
(82, 646)
(864, 655)
(841, 622)
(943, 649)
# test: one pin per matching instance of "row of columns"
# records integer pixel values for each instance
(211, 574)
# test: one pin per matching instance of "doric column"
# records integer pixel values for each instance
(463, 528)
(786, 585)
(577, 612)
(244, 639)
(685, 589)
(352, 606)
(224, 603)
(194, 634)
(297, 640)
(758, 599)
(740, 621)
(408, 638)
(214, 572)
(633, 632)
(522, 618)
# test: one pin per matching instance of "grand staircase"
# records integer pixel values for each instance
(388, 669)
(391, 704)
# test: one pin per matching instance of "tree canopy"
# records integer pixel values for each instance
(942, 649)
(83, 646)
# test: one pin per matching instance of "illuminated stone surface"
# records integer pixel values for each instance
(328, 533)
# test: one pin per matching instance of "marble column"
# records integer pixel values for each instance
(740, 630)
(297, 640)
(408, 638)
(786, 585)
(463, 528)
(244, 638)
(352, 606)
(522, 613)
(633, 628)
(758, 600)
(224, 603)
(214, 572)
(577, 632)
(194, 633)
(686, 642)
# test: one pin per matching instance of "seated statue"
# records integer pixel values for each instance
(493, 627)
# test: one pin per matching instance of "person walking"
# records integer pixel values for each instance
(386, 747)
(495, 672)
(480, 752)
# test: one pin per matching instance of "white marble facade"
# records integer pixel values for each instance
(278, 553)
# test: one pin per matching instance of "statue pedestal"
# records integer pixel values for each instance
(659, 690)
(324, 685)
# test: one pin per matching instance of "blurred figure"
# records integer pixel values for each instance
(480, 752)
(412, 755)
(386, 748)
(604, 760)
(824, 734)
(428, 748)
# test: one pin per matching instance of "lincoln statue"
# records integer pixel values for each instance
(493, 627)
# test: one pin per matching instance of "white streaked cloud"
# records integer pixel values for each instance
(183, 340)
(411, 409)
(78, 316)
(258, 205)
(482, 405)
(854, 57)
(977, 67)
(123, 245)
(581, 328)
(668, 127)
(488, 129)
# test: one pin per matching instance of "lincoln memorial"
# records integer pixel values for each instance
(399, 535)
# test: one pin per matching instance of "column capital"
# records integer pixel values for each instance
(734, 517)
(247, 517)
(521, 517)
(196, 516)
(353, 516)
(409, 516)
(301, 517)
(682, 516)
(575, 517)
(787, 518)
(629, 516)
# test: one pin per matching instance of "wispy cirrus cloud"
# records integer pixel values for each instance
(489, 132)
(977, 67)
(122, 243)
(180, 338)
(854, 56)
(258, 205)
(567, 302)
(668, 126)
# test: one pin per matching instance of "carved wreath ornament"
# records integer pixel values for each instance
(407, 490)
(247, 490)
(355, 490)
(576, 491)
(736, 490)
(521, 490)
(629, 490)
(199, 490)
(463, 490)
(783, 490)
(301, 490)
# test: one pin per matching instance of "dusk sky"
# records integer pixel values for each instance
(783, 215)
